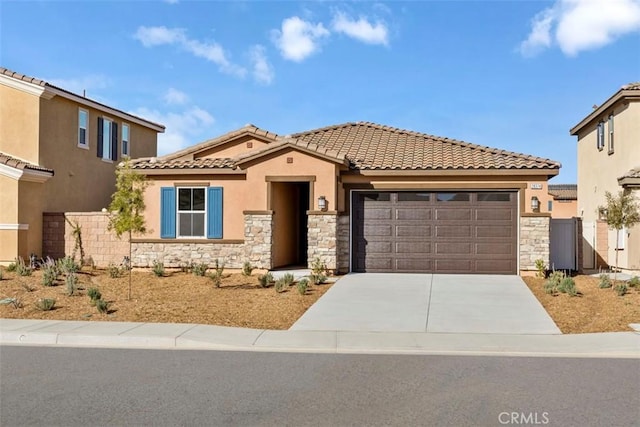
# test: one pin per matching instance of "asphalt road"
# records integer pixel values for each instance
(95, 387)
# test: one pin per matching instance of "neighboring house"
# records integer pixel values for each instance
(608, 160)
(58, 153)
(358, 196)
(564, 200)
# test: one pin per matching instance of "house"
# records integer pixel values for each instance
(608, 160)
(564, 200)
(58, 153)
(358, 196)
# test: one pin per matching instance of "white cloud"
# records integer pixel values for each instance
(213, 52)
(182, 128)
(81, 84)
(175, 97)
(262, 69)
(581, 25)
(298, 38)
(361, 29)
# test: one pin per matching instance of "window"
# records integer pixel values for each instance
(107, 139)
(550, 205)
(494, 197)
(452, 197)
(414, 197)
(600, 142)
(191, 212)
(83, 120)
(610, 133)
(125, 140)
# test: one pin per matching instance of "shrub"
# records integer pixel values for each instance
(27, 286)
(1, 274)
(621, 289)
(50, 272)
(568, 286)
(102, 306)
(247, 268)
(302, 285)
(114, 271)
(553, 282)
(158, 268)
(12, 267)
(45, 304)
(632, 283)
(541, 268)
(23, 269)
(218, 267)
(216, 276)
(68, 265)
(15, 302)
(288, 279)
(318, 272)
(186, 268)
(94, 294)
(317, 279)
(280, 285)
(605, 281)
(265, 280)
(72, 282)
(199, 269)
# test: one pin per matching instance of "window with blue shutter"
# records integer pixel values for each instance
(100, 136)
(107, 139)
(214, 213)
(167, 213)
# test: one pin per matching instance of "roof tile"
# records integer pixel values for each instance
(563, 191)
(16, 163)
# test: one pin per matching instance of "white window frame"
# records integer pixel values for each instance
(610, 134)
(106, 154)
(178, 212)
(86, 129)
(128, 140)
(600, 135)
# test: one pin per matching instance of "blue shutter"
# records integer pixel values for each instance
(114, 141)
(99, 133)
(168, 213)
(214, 213)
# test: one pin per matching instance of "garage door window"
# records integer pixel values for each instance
(494, 197)
(414, 197)
(452, 197)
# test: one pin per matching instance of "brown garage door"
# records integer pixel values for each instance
(435, 232)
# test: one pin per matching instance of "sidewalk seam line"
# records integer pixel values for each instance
(426, 325)
(257, 338)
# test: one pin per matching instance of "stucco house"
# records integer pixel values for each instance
(564, 200)
(609, 160)
(358, 196)
(58, 153)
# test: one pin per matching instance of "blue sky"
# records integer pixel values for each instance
(514, 75)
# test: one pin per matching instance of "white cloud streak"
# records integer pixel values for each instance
(361, 29)
(580, 25)
(298, 39)
(262, 70)
(213, 52)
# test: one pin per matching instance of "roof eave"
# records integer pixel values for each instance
(618, 96)
(290, 145)
(191, 171)
(453, 172)
(629, 182)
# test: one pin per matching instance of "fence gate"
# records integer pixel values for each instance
(564, 244)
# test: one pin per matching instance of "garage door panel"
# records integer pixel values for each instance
(453, 265)
(378, 247)
(413, 231)
(414, 214)
(373, 263)
(494, 249)
(449, 231)
(496, 266)
(377, 213)
(377, 230)
(492, 231)
(451, 214)
(453, 248)
(495, 214)
(414, 264)
(422, 248)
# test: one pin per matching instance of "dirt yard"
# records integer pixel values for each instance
(593, 310)
(178, 298)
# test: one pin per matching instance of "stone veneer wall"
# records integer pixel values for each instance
(322, 238)
(534, 241)
(255, 248)
(343, 244)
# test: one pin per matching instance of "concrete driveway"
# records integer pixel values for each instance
(435, 303)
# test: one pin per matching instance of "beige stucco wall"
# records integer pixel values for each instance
(8, 215)
(232, 148)
(598, 171)
(564, 209)
(19, 123)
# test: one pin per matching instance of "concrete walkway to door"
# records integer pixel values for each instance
(436, 303)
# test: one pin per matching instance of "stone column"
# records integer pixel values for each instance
(258, 238)
(322, 238)
(534, 240)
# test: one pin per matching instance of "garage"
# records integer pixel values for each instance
(435, 231)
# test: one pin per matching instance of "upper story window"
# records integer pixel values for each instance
(610, 133)
(107, 139)
(125, 140)
(83, 134)
(550, 205)
(600, 143)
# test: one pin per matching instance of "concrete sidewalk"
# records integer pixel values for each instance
(189, 336)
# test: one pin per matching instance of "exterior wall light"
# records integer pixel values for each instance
(322, 203)
(535, 204)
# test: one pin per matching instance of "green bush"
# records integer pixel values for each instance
(216, 277)
(568, 286)
(115, 271)
(72, 283)
(552, 284)
(265, 280)
(12, 267)
(247, 268)
(186, 268)
(541, 268)
(50, 272)
(158, 268)
(302, 285)
(288, 279)
(621, 289)
(102, 306)
(633, 282)
(68, 265)
(605, 281)
(280, 285)
(94, 294)
(45, 304)
(317, 279)
(199, 269)
(23, 269)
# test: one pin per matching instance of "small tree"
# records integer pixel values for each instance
(127, 205)
(621, 212)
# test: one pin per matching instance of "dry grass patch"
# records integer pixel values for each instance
(593, 310)
(178, 298)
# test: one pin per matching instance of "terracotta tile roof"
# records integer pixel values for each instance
(633, 173)
(44, 84)
(13, 162)
(376, 147)
(564, 191)
(291, 142)
(204, 163)
(632, 86)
